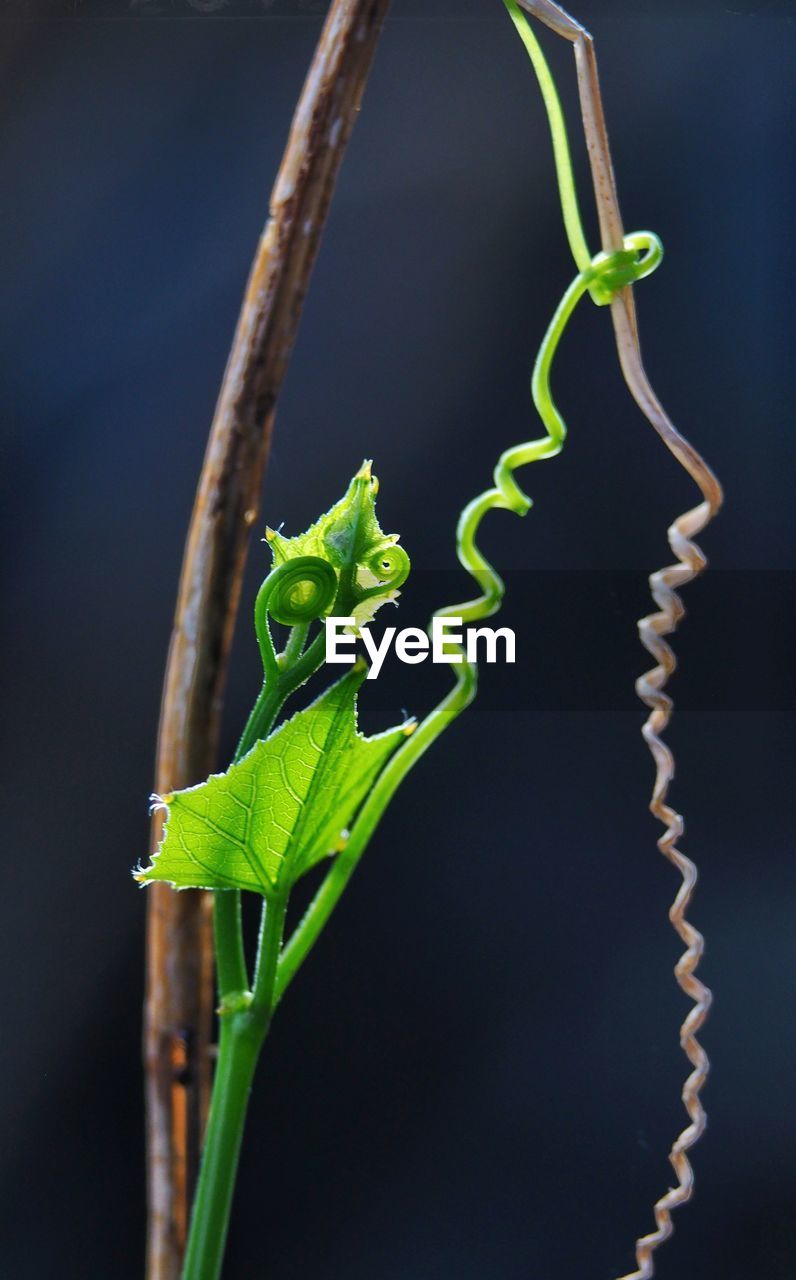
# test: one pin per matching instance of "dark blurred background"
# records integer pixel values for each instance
(477, 1074)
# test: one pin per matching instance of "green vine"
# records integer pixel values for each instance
(313, 789)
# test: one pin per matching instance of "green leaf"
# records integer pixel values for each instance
(369, 564)
(280, 809)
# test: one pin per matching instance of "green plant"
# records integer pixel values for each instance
(311, 789)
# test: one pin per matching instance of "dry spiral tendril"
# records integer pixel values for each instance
(649, 687)
(663, 583)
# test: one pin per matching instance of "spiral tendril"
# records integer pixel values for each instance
(295, 593)
(604, 276)
(389, 565)
(650, 688)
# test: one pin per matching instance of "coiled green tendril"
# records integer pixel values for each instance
(389, 565)
(605, 275)
(602, 275)
(306, 588)
(296, 592)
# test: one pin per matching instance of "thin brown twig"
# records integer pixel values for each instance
(652, 629)
(179, 1000)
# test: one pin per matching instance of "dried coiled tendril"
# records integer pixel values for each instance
(649, 687)
(691, 560)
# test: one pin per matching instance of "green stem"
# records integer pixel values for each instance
(323, 904)
(272, 924)
(233, 977)
(558, 133)
(294, 647)
(244, 1017)
(231, 970)
(240, 1041)
(238, 1051)
(275, 693)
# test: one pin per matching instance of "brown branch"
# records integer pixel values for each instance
(179, 1000)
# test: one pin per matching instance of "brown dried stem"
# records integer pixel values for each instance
(652, 629)
(179, 1000)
